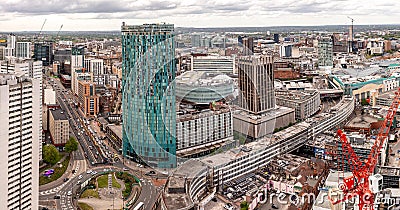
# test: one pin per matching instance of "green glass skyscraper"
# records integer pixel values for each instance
(148, 103)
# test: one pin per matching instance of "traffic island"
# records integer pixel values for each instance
(52, 173)
(108, 190)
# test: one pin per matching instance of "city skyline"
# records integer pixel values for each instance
(107, 15)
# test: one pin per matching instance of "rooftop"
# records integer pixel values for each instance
(190, 114)
(201, 78)
(254, 118)
(117, 129)
(58, 114)
(295, 95)
(253, 147)
(363, 121)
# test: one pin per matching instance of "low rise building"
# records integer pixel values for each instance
(200, 132)
(58, 127)
(49, 96)
(114, 133)
(305, 103)
(256, 126)
(221, 64)
(197, 179)
(88, 100)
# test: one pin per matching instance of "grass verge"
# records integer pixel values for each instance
(84, 206)
(90, 193)
(102, 182)
(58, 172)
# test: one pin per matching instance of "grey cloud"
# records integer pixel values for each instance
(136, 9)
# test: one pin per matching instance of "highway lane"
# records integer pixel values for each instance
(78, 125)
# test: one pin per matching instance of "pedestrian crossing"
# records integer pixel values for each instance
(58, 188)
(66, 205)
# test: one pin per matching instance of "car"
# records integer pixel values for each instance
(94, 172)
(57, 197)
(79, 182)
(89, 171)
(80, 177)
(214, 199)
(228, 206)
(69, 193)
(65, 179)
(148, 174)
(105, 170)
(274, 206)
(125, 169)
(152, 172)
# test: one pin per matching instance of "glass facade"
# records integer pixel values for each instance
(148, 89)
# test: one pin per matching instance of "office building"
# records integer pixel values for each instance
(195, 39)
(149, 119)
(58, 127)
(259, 115)
(285, 50)
(23, 50)
(96, 67)
(325, 53)
(31, 69)
(248, 46)
(256, 83)
(276, 38)
(11, 44)
(213, 64)
(79, 75)
(77, 58)
(20, 111)
(2, 53)
(200, 133)
(88, 100)
(49, 96)
(43, 51)
(305, 103)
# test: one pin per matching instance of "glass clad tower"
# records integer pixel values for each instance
(148, 73)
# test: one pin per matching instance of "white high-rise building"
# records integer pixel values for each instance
(31, 69)
(20, 111)
(76, 64)
(23, 50)
(11, 44)
(96, 66)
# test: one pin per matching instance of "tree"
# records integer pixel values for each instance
(364, 102)
(50, 154)
(244, 205)
(71, 145)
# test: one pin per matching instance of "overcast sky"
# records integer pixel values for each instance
(82, 15)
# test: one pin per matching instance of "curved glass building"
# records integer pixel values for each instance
(148, 103)
(202, 87)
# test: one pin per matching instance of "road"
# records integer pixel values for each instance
(97, 151)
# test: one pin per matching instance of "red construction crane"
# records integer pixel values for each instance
(362, 171)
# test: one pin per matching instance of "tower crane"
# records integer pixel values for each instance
(363, 183)
(59, 31)
(40, 32)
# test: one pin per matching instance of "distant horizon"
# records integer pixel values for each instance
(108, 15)
(215, 27)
